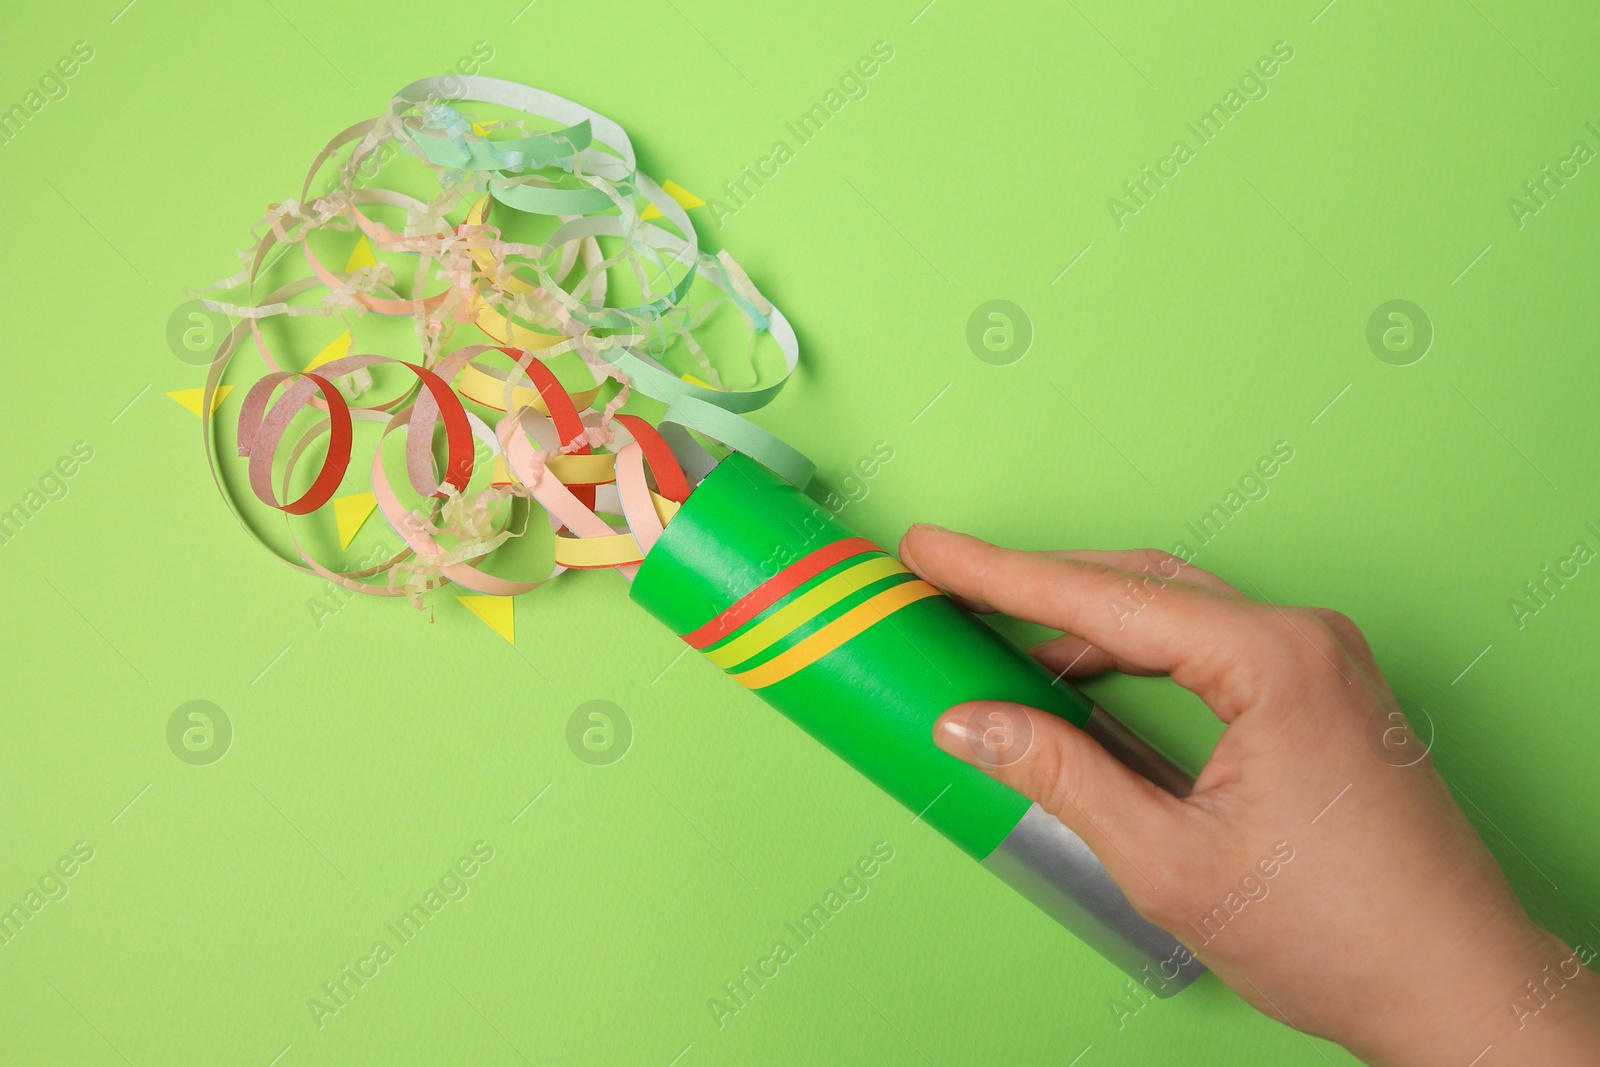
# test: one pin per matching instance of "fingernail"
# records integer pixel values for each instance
(928, 526)
(955, 735)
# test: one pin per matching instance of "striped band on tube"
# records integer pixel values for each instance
(808, 609)
(835, 633)
(776, 588)
(808, 605)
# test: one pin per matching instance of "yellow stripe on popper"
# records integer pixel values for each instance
(360, 256)
(496, 611)
(337, 348)
(350, 512)
(193, 398)
(803, 608)
(683, 196)
(853, 622)
(597, 551)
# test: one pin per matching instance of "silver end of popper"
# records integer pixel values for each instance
(1052, 867)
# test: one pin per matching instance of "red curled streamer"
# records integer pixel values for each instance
(551, 461)
(334, 465)
(663, 464)
(259, 426)
(563, 412)
(457, 431)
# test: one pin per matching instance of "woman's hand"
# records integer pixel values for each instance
(1384, 923)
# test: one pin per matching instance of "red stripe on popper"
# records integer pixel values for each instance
(776, 588)
(663, 464)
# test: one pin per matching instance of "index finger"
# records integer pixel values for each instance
(1198, 636)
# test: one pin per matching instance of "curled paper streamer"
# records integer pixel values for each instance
(590, 288)
(534, 412)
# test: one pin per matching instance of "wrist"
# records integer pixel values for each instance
(1553, 1016)
(1514, 996)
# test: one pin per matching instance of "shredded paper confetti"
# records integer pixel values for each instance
(582, 285)
(537, 229)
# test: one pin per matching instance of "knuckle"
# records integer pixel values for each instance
(1303, 641)
(1274, 625)
(1160, 562)
(1291, 626)
(1322, 640)
(1343, 627)
(1054, 777)
(1318, 652)
(1330, 616)
(1337, 621)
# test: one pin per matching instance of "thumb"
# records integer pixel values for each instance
(1123, 817)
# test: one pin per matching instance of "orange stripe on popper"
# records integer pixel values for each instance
(852, 623)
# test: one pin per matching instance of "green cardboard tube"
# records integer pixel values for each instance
(837, 635)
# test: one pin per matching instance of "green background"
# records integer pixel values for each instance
(372, 752)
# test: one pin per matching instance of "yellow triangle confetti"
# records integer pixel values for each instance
(350, 512)
(337, 348)
(692, 380)
(678, 193)
(192, 398)
(360, 256)
(481, 129)
(494, 610)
